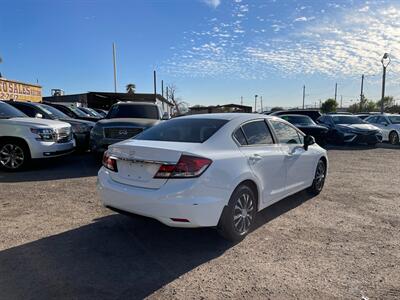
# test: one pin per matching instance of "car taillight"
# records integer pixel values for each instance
(187, 167)
(109, 162)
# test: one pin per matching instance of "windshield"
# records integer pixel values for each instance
(183, 130)
(78, 112)
(7, 111)
(54, 112)
(134, 111)
(347, 120)
(93, 112)
(394, 119)
(298, 120)
(90, 111)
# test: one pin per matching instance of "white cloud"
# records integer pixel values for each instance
(212, 3)
(346, 43)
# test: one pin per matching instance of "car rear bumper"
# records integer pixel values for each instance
(201, 206)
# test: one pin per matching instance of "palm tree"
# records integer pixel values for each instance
(130, 88)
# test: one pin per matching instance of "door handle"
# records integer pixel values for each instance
(255, 158)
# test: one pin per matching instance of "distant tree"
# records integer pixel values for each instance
(276, 108)
(329, 105)
(130, 88)
(171, 95)
(354, 108)
(388, 102)
(369, 106)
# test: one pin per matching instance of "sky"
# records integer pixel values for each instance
(214, 51)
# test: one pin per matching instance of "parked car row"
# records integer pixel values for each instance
(23, 138)
(341, 128)
(124, 120)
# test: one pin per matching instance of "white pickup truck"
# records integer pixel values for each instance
(23, 138)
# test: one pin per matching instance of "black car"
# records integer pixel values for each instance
(80, 128)
(349, 129)
(308, 126)
(312, 113)
(73, 112)
(123, 121)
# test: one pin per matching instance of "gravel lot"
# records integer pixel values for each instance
(58, 242)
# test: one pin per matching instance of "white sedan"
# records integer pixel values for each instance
(389, 124)
(211, 170)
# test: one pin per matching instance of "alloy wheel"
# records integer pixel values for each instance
(320, 176)
(11, 156)
(243, 213)
(394, 138)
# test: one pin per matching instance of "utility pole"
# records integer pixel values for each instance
(155, 82)
(115, 69)
(262, 108)
(162, 88)
(362, 92)
(341, 101)
(335, 91)
(304, 94)
(385, 62)
(241, 100)
(255, 103)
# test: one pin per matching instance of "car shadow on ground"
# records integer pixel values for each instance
(361, 147)
(115, 257)
(72, 166)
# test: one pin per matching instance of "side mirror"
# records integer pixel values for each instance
(39, 116)
(385, 123)
(165, 116)
(308, 141)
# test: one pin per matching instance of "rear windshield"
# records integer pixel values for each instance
(134, 111)
(183, 130)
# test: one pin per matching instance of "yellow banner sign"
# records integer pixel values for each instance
(14, 90)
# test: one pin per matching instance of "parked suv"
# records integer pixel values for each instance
(23, 138)
(124, 120)
(80, 128)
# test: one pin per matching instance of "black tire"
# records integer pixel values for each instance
(18, 154)
(319, 178)
(393, 138)
(238, 216)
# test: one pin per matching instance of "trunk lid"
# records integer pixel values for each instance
(138, 161)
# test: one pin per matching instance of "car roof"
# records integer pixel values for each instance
(295, 115)
(229, 116)
(134, 103)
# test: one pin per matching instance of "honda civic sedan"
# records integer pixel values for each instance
(214, 170)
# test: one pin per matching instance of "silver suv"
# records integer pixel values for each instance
(23, 138)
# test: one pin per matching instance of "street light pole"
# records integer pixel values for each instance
(255, 103)
(385, 62)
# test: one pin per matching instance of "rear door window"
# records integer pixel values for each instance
(239, 136)
(257, 133)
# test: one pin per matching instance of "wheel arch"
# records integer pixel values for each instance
(15, 139)
(254, 187)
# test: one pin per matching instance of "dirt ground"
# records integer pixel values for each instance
(58, 242)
